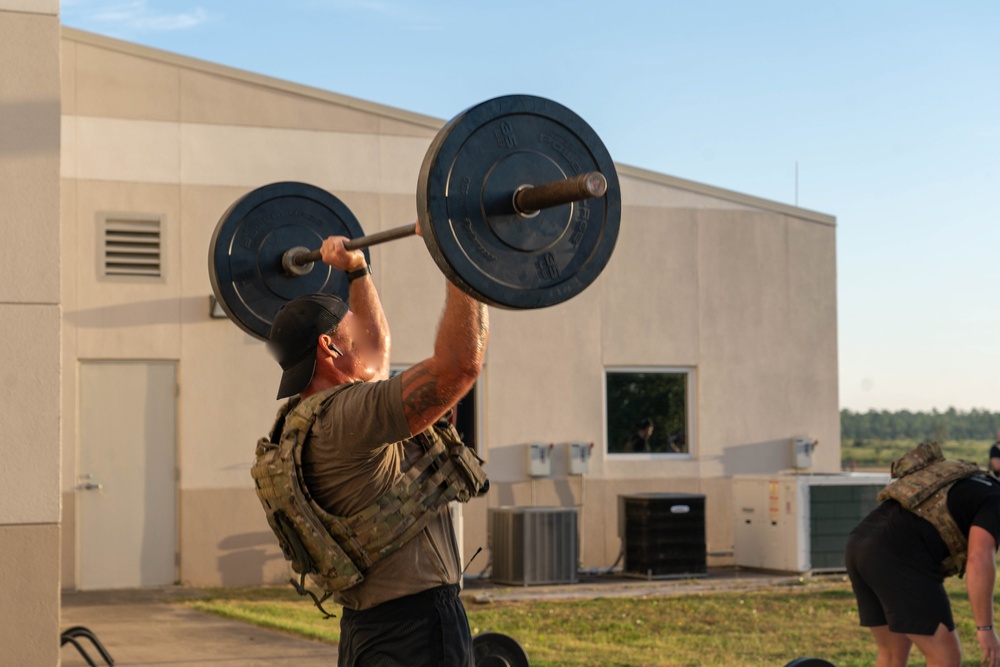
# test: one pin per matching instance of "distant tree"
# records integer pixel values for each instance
(976, 424)
(940, 433)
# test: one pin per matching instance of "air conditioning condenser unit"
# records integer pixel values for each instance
(534, 545)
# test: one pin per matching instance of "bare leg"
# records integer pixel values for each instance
(893, 648)
(941, 649)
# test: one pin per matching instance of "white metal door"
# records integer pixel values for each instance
(126, 491)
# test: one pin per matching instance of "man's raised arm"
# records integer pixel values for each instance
(372, 331)
(434, 385)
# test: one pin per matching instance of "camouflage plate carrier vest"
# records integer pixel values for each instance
(923, 478)
(335, 551)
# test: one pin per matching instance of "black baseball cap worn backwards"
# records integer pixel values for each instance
(293, 335)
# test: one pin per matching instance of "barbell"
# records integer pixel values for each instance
(518, 202)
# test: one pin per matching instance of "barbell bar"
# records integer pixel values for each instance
(528, 201)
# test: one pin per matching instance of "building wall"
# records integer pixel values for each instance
(29, 327)
(739, 289)
(745, 297)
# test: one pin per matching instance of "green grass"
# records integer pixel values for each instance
(753, 628)
(880, 453)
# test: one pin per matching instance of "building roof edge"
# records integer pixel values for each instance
(726, 195)
(142, 51)
(148, 52)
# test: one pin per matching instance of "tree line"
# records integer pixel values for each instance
(951, 424)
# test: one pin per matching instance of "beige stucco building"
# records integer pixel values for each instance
(30, 363)
(160, 405)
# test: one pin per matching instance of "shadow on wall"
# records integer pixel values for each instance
(514, 486)
(248, 553)
(508, 464)
(40, 114)
(513, 459)
(503, 494)
(757, 458)
(185, 310)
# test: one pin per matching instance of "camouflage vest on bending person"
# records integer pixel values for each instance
(335, 551)
(923, 478)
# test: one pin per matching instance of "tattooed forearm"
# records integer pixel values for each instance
(422, 400)
(436, 384)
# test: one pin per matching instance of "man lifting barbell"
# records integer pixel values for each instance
(519, 206)
(360, 446)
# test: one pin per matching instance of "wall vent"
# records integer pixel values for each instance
(533, 545)
(131, 247)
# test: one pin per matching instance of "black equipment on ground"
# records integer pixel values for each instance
(70, 636)
(492, 649)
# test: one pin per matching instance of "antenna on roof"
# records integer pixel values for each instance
(796, 182)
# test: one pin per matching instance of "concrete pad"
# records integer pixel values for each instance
(139, 629)
(593, 586)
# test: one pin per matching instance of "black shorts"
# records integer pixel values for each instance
(422, 630)
(892, 584)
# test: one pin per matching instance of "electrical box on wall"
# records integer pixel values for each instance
(579, 457)
(802, 452)
(540, 459)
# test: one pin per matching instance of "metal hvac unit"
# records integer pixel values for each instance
(533, 545)
(800, 522)
(663, 535)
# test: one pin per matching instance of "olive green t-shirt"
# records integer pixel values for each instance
(357, 450)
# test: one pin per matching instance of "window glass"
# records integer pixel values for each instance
(647, 412)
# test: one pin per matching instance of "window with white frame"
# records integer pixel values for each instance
(648, 410)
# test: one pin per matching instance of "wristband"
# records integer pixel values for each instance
(360, 273)
(983, 627)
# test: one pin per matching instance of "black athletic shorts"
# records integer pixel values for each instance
(896, 580)
(428, 629)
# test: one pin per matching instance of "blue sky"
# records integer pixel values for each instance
(890, 109)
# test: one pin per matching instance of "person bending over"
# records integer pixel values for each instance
(937, 518)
